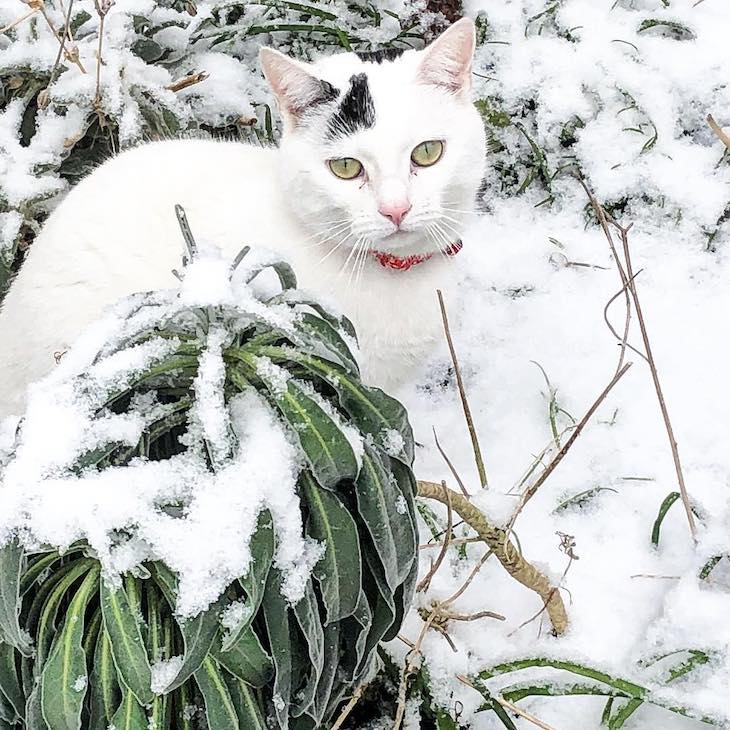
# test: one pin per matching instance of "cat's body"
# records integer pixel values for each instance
(116, 232)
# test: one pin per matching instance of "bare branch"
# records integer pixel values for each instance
(452, 468)
(426, 582)
(504, 550)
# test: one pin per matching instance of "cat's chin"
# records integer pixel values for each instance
(405, 243)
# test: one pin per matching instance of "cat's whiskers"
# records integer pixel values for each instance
(326, 235)
(344, 238)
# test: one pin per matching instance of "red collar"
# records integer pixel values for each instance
(403, 263)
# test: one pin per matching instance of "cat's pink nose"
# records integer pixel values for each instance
(395, 212)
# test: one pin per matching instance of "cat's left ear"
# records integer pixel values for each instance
(447, 61)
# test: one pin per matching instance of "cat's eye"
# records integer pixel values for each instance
(427, 153)
(346, 168)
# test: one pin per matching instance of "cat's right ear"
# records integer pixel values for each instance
(295, 88)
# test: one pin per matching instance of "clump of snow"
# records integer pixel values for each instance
(79, 684)
(234, 614)
(163, 672)
(125, 512)
(392, 442)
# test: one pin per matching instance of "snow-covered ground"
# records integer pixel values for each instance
(526, 311)
(523, 308)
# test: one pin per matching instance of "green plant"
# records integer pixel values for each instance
(81, 649)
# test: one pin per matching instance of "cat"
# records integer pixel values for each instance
(381, 158)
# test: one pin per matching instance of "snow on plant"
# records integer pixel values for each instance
(216, 529)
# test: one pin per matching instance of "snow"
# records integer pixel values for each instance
(535, 281)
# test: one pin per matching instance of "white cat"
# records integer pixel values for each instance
(378, 169)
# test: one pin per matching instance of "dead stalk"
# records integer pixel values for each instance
(529, 493)
(348, 708)
(505, 551)
(655, 377)
(451, 466)
(187, 81)
(722, 135)
(628, 281)
(19, 20)
(462, 394)
(102, 8)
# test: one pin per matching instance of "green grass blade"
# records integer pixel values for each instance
(339, 570)
(276, 616)
(669, 500)
(122, 625)
(64, 679)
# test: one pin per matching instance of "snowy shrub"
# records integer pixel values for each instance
(238, 528)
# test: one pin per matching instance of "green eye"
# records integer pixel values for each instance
(347, 168)
(427, 153)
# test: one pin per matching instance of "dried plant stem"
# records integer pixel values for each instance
(451, 466)
(655, 378)
(523, 713)
(462, 394)
(550, 468)
(187, 81)
(505, 551)
(628, 280)
(348, 708)
(722, 135)
(19, 20)
(408, 669)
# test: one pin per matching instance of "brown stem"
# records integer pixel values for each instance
(462, 394)
(722, 135)
(504, 550)
(657, 385)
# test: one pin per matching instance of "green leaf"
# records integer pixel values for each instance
(147, 49)
(247, 660)
(9, 682)
(384, 510)
(325, 446)
(105, 693)
(329, 672)
(247, 706)
(339, 570)
(11, 565)
(254, 582)
(122, 624)
(371, 410)
(130, 715)
(318, 334)
(198, 632)
(46, 631)
(306, 612)
(276, 616)
(669, 500)
(219, 708)
(34, 711)
(64, 679)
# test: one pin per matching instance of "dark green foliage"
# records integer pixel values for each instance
(97, 642)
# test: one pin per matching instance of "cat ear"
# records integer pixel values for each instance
(447, 61)
(295, 88)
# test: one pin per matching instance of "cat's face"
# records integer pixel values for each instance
(381, 153)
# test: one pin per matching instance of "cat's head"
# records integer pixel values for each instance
(382, 151)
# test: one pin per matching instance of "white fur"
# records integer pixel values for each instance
(116, 232)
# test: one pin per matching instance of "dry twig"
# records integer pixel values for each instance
(188, 80)
(462, 394)
(102, 8)
(451, 466)
(722, 135)
(348, 708)
(505, 551)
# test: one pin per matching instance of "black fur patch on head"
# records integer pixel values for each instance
(356, 110)
(380, 55)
